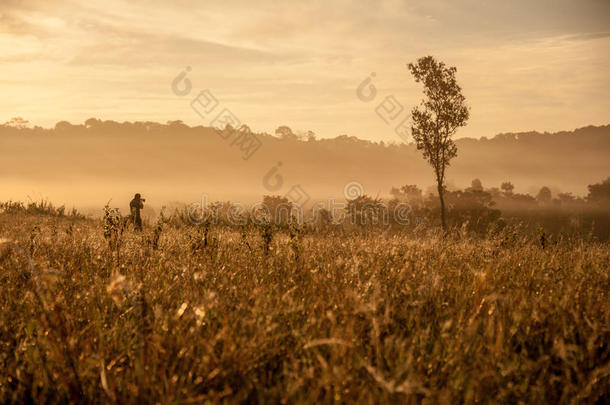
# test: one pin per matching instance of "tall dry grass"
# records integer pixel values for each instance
(326, 317)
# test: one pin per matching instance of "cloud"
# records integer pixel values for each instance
(132, 48)
(588, 36)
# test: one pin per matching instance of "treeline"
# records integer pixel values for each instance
(185, 161)
(479, 209)
(586, 136)
(475, 210)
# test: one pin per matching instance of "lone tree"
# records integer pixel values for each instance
(437, 118)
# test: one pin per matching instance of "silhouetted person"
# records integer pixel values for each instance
(135, 206)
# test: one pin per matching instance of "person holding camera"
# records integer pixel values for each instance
(135, 206)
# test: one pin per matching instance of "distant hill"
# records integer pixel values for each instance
(91, 163)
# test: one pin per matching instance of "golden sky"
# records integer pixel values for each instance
(523, 65)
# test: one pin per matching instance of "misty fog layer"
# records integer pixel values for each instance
(87, 165)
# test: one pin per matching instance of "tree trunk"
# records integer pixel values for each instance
(441, 197)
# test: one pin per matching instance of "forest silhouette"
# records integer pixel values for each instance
(86, 164)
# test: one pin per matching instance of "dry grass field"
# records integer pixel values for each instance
(174, 315)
